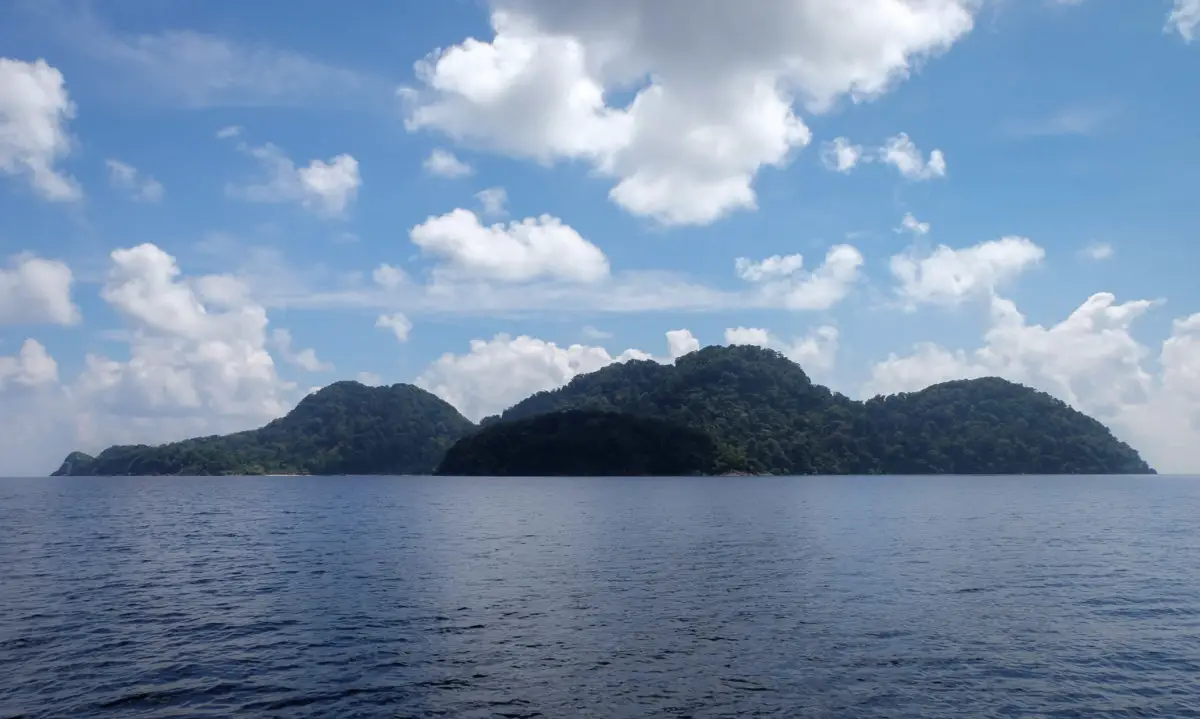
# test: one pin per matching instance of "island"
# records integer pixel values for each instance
(719, 410)
(345, 428)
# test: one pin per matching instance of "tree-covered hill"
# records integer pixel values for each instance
(345, 428)
(584, 443)
(770, 417)
(762, 411)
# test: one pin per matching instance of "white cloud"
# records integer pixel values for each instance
(31, 367)
(1079, 120)
(492, 200)
(1089, 360)
(504, 370)
(520, 251)
(36, 428)
(770, 268)
(389, 277)
(229, 131)
(913, 225)
(680, 343)
(902, 153)
(201, 70)
(193, 360)
(842, 156)
(928, 364)
(782, 280)
(325, 188)
(34, 112)
(596, 334)
(34, 291)
(500, 372)
(397, 324)
(140, 187)
(196, 364)
(443, 163)
(1184, 18)
(715, 88)
(1098, 251)
(816, 352)
(950, 277)
(305, 359)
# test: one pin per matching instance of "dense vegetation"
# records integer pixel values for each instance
(769, 417)
(346, 428)
(759, 410)
(583, 443)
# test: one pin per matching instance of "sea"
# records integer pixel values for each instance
(621, 597)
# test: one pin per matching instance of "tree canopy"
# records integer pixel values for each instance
(345, 428)
(760, 412)
(584, 443)
(770, 418)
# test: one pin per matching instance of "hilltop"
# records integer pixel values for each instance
(345, 428)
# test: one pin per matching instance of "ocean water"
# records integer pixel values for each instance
(723, 597)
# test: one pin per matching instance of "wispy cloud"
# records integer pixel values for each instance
(196, 69)
(1081, 120)
(1098, 251)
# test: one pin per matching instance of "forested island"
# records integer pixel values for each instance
(345, 428)
(718, 410)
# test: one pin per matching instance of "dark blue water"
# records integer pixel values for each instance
(814, 597)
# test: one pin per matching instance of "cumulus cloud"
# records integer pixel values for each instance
(533, 248)
(816, 352)
(680, 343)
(34, 111)
(196, 363)
(140, 187)
(782, 279)
(324, 188)
(36, 428)
(191, 357)
(950, 277)
(36, 291)
(497, 373)
(31, 367)
(397, 324)
(1184, 18)
(840, 155)
(714, 87)
(443, 163)
(1092, 361)
(902, 153)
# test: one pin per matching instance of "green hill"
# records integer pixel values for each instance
(583, 443)
(346, 428)
(760, 410)
(769, 417)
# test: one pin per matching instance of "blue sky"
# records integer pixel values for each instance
(210, 208)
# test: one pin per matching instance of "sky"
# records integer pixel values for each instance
(209, 208)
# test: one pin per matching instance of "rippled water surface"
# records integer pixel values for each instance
(813, 597)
